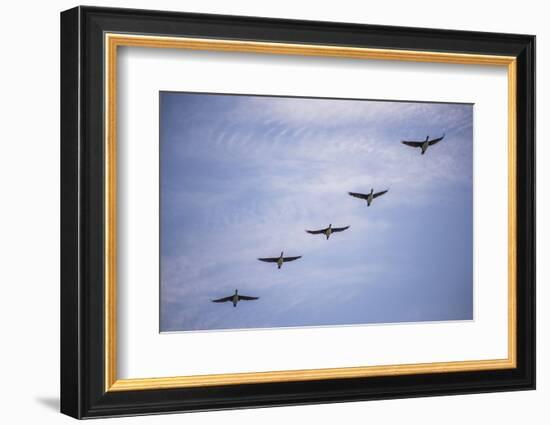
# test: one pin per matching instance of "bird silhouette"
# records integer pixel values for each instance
(279, 260)
(235, 298)
(328, 231)
(424, 144)
(369, 197)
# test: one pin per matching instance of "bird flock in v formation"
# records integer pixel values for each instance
(368, 197)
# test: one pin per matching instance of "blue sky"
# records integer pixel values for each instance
(242, 177)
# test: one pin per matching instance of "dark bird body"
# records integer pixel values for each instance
(369, 197)
(424, 144)
(279, 260)
(235, 298)
(328, 231)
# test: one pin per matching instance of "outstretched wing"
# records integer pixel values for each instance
(339, 229)
(222, 300)
(285, 259)
(317, 232)
(358, 195)
(411, 143)
(376, 195)
(434, 141)
(247, 298)
(269, 260)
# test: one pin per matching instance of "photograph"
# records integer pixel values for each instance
(281, 212)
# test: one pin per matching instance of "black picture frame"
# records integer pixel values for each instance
(83, 392)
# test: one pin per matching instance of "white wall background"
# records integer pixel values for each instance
(29, 225)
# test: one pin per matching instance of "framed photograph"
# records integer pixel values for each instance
(261, 212)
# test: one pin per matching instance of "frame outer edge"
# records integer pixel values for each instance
(70, 349)
(530, 139)
(533, 126)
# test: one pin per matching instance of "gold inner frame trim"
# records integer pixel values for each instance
(113, 41)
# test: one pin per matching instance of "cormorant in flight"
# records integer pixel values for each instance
(279, 260)
(328, 231)
(369, 197)
(423, 144)
(235, 298)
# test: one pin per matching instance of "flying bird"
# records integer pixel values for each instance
(369, 197)
(279, 260)
(235, 298)
(424, 144)
(328, 231)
